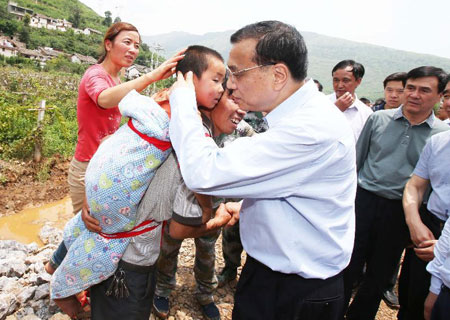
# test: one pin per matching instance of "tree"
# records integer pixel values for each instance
(24, 35)
(117, 19)
(9, 27)
(26, 20)
(108, 20)
(76, 18)
(3, 12)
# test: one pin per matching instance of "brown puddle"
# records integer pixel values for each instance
(25, 225)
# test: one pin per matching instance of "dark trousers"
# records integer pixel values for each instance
(232, 247)
(137, 306)
(265, 294)
(58, 255)
(380, 237)
(441, 309)
(414, 282)
(394, 277)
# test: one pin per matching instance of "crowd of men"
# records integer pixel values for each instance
(389, 144)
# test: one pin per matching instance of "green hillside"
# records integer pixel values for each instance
(324, 53)
(69, 41)
(63, 9)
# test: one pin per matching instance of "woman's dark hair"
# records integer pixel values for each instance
(277, 43)
(112, 33)
(196, 59)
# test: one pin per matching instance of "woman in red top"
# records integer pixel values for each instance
(100, 91)
(98, 116)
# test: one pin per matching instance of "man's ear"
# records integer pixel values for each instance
(280, 73)
(358, 82)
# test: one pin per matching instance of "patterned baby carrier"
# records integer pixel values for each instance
(116, 179)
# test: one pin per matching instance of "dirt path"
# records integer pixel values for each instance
(20, 189)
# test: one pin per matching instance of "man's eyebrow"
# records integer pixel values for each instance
(446, 91)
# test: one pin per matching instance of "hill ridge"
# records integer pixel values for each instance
(324, 53)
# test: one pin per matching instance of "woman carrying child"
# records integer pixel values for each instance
(98, 116)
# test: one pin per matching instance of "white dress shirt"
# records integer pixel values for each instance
(356, 114)
(298, 180)
(439, 267)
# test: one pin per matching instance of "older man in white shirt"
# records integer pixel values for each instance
(298, 179)
(347, 76)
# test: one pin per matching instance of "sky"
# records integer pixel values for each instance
(411, 25)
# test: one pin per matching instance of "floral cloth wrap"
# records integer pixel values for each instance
(116, 180)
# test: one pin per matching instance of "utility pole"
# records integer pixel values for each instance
(158, 48)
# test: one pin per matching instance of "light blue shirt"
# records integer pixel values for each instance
(433, 166)
(298, 180)
(439, 267)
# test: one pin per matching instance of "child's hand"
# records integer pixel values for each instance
(182, 82)
(233, 208)
(221, 218)
(167, 68)
(90, 222)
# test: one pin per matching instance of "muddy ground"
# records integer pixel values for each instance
(21, 188)
(27, 184)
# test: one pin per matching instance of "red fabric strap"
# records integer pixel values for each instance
(132, 232)
(161, 145)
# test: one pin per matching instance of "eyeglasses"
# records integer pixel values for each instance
(237, 74)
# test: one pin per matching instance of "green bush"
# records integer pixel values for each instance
(63, 64)
(21, 91)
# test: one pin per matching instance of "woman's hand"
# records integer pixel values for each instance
(167, 68)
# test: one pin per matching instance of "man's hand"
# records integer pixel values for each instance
(425, 250)
(419, 232)
(90, 222)
(429, 304)
(183, 82)
(234, 209)
(167, 68)
(344, 101)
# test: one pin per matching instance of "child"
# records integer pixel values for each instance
(117, 177)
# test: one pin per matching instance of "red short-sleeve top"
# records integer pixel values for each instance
(94, 122)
